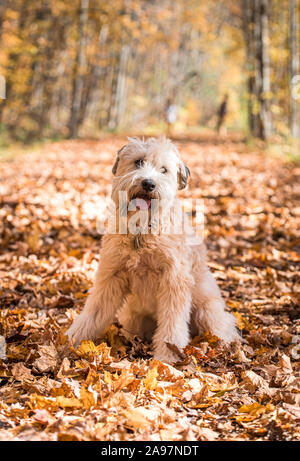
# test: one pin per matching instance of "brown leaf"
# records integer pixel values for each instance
(21, 373)
(47, 360)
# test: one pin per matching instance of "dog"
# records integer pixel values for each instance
(156, 283)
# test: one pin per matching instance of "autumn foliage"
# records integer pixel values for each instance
(75, 68)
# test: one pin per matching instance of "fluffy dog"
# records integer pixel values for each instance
(157, 283)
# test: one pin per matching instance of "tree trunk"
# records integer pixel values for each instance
(256, 33)
(294, 69)
(3, 5)
(118, 96)
(95, 73)
(78, 81)
(265, 94)
(121, 86)
(248, 21)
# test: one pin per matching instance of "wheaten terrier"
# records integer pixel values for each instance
(155, 281)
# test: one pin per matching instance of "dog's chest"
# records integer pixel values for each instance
(153, 259)
(142, 264)
(144, 272)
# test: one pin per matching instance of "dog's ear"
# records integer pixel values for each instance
(183, 174)
(115, 167)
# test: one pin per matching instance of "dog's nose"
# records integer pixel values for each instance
(148, 185)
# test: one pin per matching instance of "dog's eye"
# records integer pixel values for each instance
(139, 163)
(164, 170)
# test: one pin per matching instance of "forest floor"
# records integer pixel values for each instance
(115, 390)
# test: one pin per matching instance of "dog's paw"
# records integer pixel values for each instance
(74, 336)
(164, 354)
(81, 328)
(227, 330)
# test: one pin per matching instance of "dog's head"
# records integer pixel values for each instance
(148, 170)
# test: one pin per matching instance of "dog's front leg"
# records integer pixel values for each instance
(105, 299)
(173, 314)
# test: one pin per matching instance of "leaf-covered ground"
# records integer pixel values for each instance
(113, 390)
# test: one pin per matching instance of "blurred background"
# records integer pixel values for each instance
(79, 68)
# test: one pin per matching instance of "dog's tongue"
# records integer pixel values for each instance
(142, 203)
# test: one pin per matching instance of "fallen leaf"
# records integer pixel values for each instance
(150, 381)
(47, 360)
